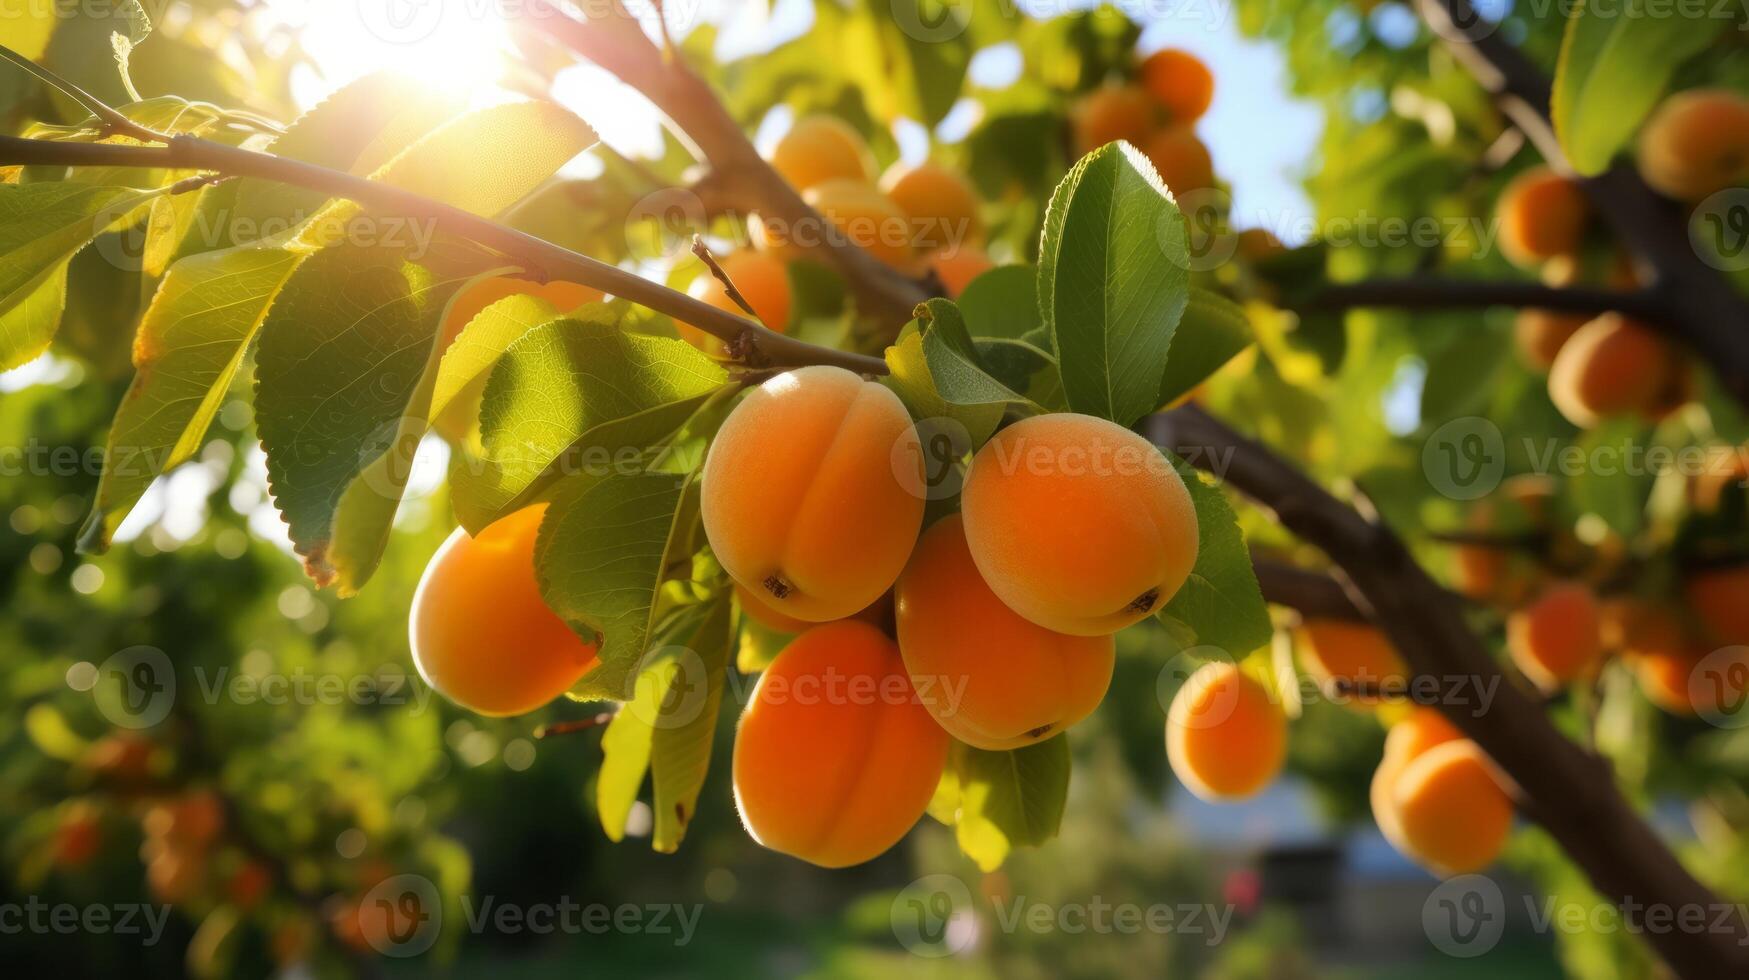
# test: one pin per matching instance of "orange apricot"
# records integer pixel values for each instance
(1655, 645)
(1336, 651)
(1558, 637)
(1226, 738)
(1540, 335)
(1181, 159)
(763, 282)
(1408, 739)
(996, 681)
(1179, 82)
(1542, 215)
(1614, 366)
(1111, 113)
(821, 148)
(1448, 806)
(482, 636)
(1720, 600)
(802, 498)
(940, 202)
(854, 212)
(1258, 244)
(1696, 143)
(835, 757)
(878, 613)
(1078, 524)
(1503, 575)
(959, 267)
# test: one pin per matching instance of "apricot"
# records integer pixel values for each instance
(1448, 806)
(1657, 649)
(1614, 366)
(835, 757)
(1258, 244)
(821, 148)
(1181, 159)
(1111, 113)
(1504, 575)
(1336, 651)
(1557, 638)
(459, 416)
(78, 835)
(1696, 143)
(855, 213)
(482, 636)
(1179, 82)
(763, 282)
(1409, 739)
(940, 202)
(1078, 524)
(959, 267)
(1226, 738)
(1542, 215)
(1540, 335)
(195, 818)
(996, 681)
(801, 500)
(1720, 600)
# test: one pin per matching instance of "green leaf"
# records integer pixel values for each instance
(1616, 61)
(1214, 330)
(681, 755)
(955, 366)
(625, 758)
(27, 28)
(190, 342)
(41, 226)
(469, 359)
(1113, 282)
(910, 379)
(1221, 604)
(490, 158)
(602, 553)
(577, 394)
(343, 380)
(1002, 303)
(911, 58)
(1009, 799)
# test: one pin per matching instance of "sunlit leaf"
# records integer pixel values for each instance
(1009, 799)
(1221, 604)
(1213, 331)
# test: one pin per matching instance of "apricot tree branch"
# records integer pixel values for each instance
(1314, 595)
(611, 38)
(1428, 293)
(1569, 790)
(762, 347)
(1702, 307)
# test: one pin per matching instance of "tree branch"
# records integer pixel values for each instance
(1314, 594)
(765, 348)
(1426, 293)
(613, 39)
(1703, 308)
(1569, 790)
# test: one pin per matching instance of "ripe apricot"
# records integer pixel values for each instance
(1077, 523)
(1410, 738)
(1449, 808)
(821, 148)
(1542, 215)
(1614, 366)
(1540, 334)
(1179, 82)
(482, 636)
(1181, 159)
(1225, 737)
(835, 757)
(1339, 651)
(855, 212)
(940, 202)
(1654, 643)
(763, 282)
(801, 499)
(1696, 144)
(1720, 600)
(1016, 682)
(1111, 113)
(1557, 638)
(960, 266)
(1504, 575)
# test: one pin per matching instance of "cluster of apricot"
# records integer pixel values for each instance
(1069, 529)
(1599, 367)
(1157, 113)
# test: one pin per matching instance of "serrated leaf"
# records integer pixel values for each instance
(42, 226)
(1214, 330)
(1002, 303)
(1113, 282)
(490, 158)
(1221, 604)
(343, 379)
(955, 366)
(572, 395)
(681, 755)
(190, 342)
(1616, 61)
(484, 339)
(601, 556)
(909, 377)
(1009, 799)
